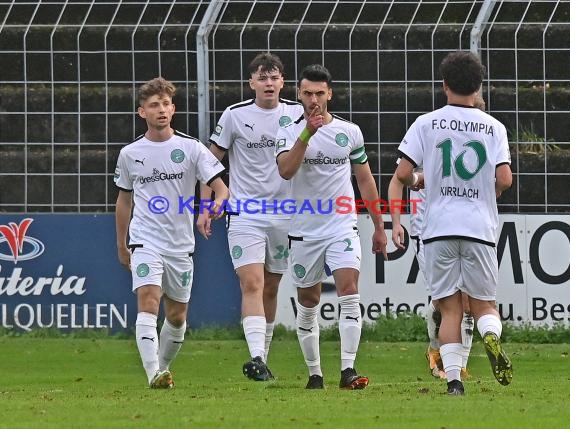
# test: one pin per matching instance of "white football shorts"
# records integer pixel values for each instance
(307, 259)
(259, 240)
(172, 273)
(458, 264)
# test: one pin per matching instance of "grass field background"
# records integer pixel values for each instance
(99, 382)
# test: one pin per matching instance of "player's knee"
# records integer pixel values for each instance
(348, 288)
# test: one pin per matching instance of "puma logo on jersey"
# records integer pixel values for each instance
(148, 338)
(138, 161)
(305, 330)
(249, 126)
(352, 318)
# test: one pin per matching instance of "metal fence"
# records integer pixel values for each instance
(70, 70)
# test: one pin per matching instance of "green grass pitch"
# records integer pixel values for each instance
(100, 383)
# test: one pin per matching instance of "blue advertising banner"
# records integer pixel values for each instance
(61, 271)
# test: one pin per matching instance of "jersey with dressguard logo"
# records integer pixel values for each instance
(164, 172)
(323, 177)
(249, 132)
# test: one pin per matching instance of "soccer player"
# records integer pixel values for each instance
(466, 165)
(257, 229)
(153, 172)
(316, 153)
(433, 315)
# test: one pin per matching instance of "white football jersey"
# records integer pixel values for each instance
(322, 187)
(417, 218)
(459, 148)
(248, 132)
(162, 176)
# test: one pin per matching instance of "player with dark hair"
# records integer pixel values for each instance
(466, 165)
(317, 153)
(257, 232)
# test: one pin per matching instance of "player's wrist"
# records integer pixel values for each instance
(416, 179)
(305, 136)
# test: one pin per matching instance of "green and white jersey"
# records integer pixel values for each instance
(162, 176)
(248, 132)
(459, 148)
(322, 187)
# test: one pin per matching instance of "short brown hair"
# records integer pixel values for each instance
(267, 61)
(156, 86)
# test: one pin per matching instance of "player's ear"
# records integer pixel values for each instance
(141, 112)
(330, 94)
(251, 83)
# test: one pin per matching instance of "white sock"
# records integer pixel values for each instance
(269, 327)
(451, 357)
(431, 326)
(349, 327)
(171, 339)
(489, 323)
(147, 342)
(308, 335)
(254, 328)
(467, 326)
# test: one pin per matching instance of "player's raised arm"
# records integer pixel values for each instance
(289, 162)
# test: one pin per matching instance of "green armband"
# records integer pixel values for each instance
(305, 136)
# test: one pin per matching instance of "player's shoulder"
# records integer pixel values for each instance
(187, 141)
(134, 145)
(241, 105)
(186, 138)
(345, 123)
(290, 103)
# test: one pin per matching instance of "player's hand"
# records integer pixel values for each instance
(216, 211)
(203, 224)
(380, 243)
(315, 120)
(124, 257)
(398, 236)
(420, 183)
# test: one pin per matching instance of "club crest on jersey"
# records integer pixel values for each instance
(218, 130)
(284, 121)
(341, 139)
(177, 156)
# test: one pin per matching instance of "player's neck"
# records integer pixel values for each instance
(461, 100)
(267, 104)
(159, 135)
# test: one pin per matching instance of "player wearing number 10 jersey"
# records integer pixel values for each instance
(465, 157)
